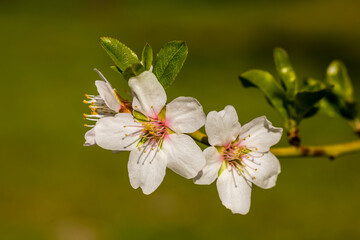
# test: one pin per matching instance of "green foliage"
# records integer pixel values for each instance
(337, 76)
(132, 71)
(293, 104)
(305, 102)
(342, 97)
(122, 56)
(169, 62)
(147, 57)
(335, 95)
(286, 72)
(167, 65)
(116, 69)
(269, 86)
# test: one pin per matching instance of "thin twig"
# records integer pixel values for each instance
(332, 151)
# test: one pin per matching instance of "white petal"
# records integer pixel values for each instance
(222, 127)
(110, 132)
(185, 115)
(146, 169)
(210, 172)
(262, 134)
(149, 94)
(90, 138)
(107, 93)
(268, 168)
(184, 156)
(234, 191)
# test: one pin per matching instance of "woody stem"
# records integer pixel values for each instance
(332, 151)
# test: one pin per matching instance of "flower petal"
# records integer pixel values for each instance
(268, 168)
(222, 127)
(210, 172)
(111, 134)
(184, 156)
(185, 115)
(107, 93)
(234, 191)
(149, 94)
(90, 138)
(260, 134)
(146, 169)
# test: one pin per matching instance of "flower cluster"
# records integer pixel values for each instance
(157, 135)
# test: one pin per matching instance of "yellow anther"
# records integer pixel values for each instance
(256, 149)
(94, 113)
(126, 135)
(144, 151)
(85, 116)
(139, 149)
(86, 102)
(93, 102)
(153, 149)
(124, 126)
(85, 125)
(152, 106)
(255, 169)
(244, 139)
(135, 106)
(249, 135)
(253, 177)
(247, 157)
(87, 96)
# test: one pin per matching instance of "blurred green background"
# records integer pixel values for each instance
(51, 187)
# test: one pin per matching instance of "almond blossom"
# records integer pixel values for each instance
(239, 156)
(107, 103)
(154, 134)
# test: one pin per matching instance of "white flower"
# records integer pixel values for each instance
(107, 103)
(239, 156)
(155, 136)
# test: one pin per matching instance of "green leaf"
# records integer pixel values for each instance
(169, 62)
(147, 57)
(122, 56)
(116, 69)
(140, 117)
(312, 84)
(134, 70)
(269, 86)
(342, 98)
(305, 101)
(285, 72)
(337, 76)
(327, 108)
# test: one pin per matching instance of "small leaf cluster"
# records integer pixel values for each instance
(166, 65)
(296, 100)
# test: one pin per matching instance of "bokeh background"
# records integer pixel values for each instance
(51, 187)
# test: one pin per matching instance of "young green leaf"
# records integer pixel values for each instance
(134, 70)
(286, 72)
(305, 101)
(169, 61)
(122, 56)
(337, 76)
(147, 57)
(269, 86)
(116, 69)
